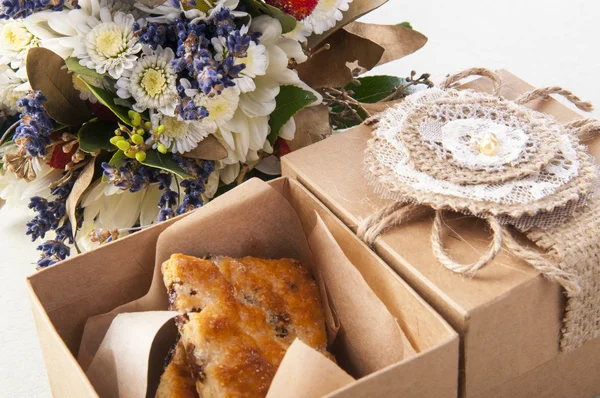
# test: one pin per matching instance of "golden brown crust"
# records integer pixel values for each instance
(239, 318)
(176, 381)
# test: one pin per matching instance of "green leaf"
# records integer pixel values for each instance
(405, 24)
(289, 101)
(59, 127)
(116, 161)
(46, 73)
(74, 66)
(108, 100)
(164, 162)
(94, 136)
(257, 8)
(374, 88)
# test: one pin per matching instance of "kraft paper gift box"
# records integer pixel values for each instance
(509, 316)
(66, 296)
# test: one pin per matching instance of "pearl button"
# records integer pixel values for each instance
(488, 145)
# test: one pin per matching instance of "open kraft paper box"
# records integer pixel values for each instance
(509, 316)
(63, 297)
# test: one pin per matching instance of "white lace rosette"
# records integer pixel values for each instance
(482, 155)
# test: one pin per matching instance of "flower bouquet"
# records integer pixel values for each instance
(116, 115)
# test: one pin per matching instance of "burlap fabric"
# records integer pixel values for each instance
(540, 180)
(574, 246)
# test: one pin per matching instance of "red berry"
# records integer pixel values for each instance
(282, 147)
(298, 9)
(59, 158)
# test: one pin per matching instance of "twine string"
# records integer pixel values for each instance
(466, 269)
(586, 129)
(397, 213)
(494, 77)
(545, 92)
(386, 218)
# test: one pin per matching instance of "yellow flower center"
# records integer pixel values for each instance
(218, 108)
(174, 128)
(153, 82)
(16, 37)
(203, 5)
(328, 4)
(110, 43)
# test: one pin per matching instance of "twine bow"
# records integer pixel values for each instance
(400, 212)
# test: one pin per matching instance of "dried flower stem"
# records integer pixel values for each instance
(8, 130)
(411, 81)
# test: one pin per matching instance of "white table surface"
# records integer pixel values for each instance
(546, 42)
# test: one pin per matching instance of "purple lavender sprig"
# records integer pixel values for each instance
(194, 187)
(23, 8)
(134, 177)
(51, 216)
(35, 126)
(197, 61)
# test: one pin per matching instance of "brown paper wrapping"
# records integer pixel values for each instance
(122, 364)
(317, 380)
(254, 220)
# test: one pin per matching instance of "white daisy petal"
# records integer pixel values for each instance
(270, 28)
(326, 15)
(288, 130)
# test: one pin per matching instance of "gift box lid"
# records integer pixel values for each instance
(509, 316)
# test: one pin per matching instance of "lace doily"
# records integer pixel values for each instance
(534, 170)
(459, 139)
(425, 119)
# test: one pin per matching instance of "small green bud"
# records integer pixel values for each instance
(141, 132)
(161, 148)
(130, 154)
(147, 125)
(136, 118)
(160, 129)
(114, 140)
(140, 156)
(123, 145)
(137, 139)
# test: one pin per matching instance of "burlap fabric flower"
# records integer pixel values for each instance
(486, 156)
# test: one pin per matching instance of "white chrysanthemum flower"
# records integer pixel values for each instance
(326, 15)
(221, 108)
(299, 33)
(182, 136)
(245, 134)
(64, 24)
(171, 10)
(15, 41)
(17, 192)
(109, 44)
(12, 88)
(105, 207)
(256, 61)
(152, 83)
